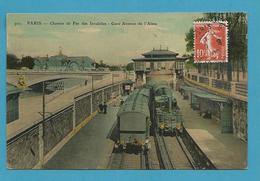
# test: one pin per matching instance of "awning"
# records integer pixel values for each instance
(205, 95)
(209, 96)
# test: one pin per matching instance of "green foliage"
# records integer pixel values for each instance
(28, 62)
(114, 68)
(189, 39)
(237, 39)
(190, 64)
(12, 61)
(130, 66)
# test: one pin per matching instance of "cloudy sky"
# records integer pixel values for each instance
(115, 44)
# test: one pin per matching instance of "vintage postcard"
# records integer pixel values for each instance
(140, 91)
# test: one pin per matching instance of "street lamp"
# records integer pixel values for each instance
(43, 101)
(112, 78)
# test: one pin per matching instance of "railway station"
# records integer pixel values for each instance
(162, 119)
(172, 111)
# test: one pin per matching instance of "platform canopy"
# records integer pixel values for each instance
(212, 97)
(205, 95)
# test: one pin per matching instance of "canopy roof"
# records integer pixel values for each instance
(158, 59)
(160, 52)
(205, 95)
(160, 55)
(211, 97)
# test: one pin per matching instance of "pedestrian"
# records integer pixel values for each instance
(100, 106)
(105, 107)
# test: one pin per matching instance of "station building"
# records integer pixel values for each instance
(158, 62)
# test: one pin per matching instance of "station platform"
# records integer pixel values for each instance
(225, 150)
(89, 148)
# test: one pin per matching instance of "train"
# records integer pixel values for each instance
(133, 120)
(168, 114)
(151, 106)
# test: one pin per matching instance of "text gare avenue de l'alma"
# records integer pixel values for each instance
(75, 23)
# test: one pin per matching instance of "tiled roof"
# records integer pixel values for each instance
(160, 52)
(161, 59)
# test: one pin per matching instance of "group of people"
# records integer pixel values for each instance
(103, 107)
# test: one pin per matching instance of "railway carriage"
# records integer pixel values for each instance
(133, 119)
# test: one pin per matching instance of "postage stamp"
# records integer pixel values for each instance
(210, 41)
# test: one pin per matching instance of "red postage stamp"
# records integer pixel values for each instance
(210, 42)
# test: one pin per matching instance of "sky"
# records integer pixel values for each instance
(107, 38)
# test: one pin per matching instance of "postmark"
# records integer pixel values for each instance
(210, 41)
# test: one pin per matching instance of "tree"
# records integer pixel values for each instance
(28, 62)
(190, 40)
(237, 44)
(130, 66)
(12, 61)
(114, 68)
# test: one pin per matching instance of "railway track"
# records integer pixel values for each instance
(179, 155)
(173, 154)
(162, 153)
(123, 160)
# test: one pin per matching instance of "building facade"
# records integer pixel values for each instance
(157, 62)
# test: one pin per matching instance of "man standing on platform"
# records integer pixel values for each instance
(105, 107)
(100, 106)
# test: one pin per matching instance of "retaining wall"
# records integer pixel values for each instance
(23, 150)
(37, 144)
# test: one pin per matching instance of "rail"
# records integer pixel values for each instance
(186, 152)
(123, 160)
(162, 153)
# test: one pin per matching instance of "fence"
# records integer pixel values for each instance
(237, 90)
(34, 146)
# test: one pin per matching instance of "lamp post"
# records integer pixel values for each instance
(43, 101)
(112, 78)
(92, 84)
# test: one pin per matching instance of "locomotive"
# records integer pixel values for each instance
(168, 114)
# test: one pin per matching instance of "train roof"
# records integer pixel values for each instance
(136, 102)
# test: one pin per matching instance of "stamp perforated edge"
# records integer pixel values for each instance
(194, 35)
